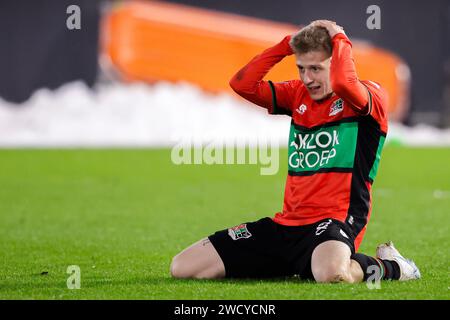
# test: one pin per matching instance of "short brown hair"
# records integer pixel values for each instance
(311, 38)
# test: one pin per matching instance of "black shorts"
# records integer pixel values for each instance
(265, 249)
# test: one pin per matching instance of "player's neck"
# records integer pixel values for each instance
(324, 99)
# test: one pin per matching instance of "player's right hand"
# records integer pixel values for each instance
(331, 26)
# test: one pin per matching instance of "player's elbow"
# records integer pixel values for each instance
(241, 86)
(236, 84)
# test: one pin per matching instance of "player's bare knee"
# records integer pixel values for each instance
(207, 274)
(329, 277)
(331, 274)
(180, 268)
(177, 268)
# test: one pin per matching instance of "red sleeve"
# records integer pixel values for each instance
(343, 77)
(248, 82)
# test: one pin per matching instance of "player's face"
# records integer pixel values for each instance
(314, 69)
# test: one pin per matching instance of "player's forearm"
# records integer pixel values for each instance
(248, 82)
(344, 80)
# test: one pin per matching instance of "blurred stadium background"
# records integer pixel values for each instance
(138, 77)
(137, 69)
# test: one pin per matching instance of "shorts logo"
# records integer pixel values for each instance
(337, 107)
(343, 233)
(239, 232)
(322, 227)
(350, 220)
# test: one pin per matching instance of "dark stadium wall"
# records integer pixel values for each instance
(38, 50)
(418, 31)
(446, 44)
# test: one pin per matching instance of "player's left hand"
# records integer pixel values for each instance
(331, 26)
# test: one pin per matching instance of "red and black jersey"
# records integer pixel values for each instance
(334, 145)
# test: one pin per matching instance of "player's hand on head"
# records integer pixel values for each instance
(331, 26)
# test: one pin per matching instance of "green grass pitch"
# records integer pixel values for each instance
(120, 215)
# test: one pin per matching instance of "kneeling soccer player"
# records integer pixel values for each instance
(338, 127)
